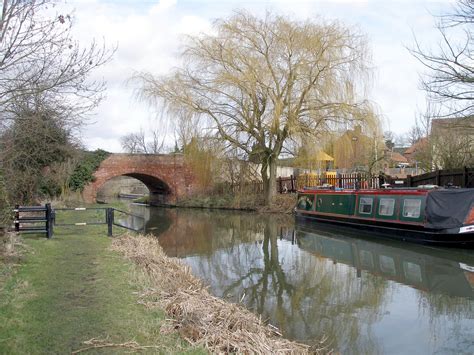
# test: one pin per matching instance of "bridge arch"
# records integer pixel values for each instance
(167, 177)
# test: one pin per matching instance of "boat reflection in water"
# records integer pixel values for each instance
(365, 296)
(424, 268)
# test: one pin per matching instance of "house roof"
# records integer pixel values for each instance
(319, 156)
(417, 146)
(397, 157)
(400, 150)
(322, 156)
(453, 123)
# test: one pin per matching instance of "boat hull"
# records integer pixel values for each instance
(404, 232)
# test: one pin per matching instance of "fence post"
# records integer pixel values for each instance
(110, 221)
(357, 182)
(17, 218)
(409, 181)
(464, 177)
(49, 224)
(438, 177)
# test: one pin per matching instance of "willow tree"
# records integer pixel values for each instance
(259, 83)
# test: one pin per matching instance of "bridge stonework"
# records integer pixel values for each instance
(167, 177)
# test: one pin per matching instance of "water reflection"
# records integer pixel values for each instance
(429, 269)
(366, 296)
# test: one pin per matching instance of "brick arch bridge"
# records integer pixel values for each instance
(167, 177)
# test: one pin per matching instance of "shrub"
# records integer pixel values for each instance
(5, 208)
(84, 171)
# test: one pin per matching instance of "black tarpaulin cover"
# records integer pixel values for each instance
(448, 208)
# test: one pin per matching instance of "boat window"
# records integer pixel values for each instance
(387, 265)
(387, 206)
(366, 259)
(411, 208)
(365, 205)
(412, 272)
(305, 202)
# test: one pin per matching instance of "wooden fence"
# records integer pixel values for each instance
(463, 177)
(343, 181)
(458, 177)
(294, 183)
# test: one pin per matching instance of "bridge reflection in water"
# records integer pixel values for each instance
(366, 296)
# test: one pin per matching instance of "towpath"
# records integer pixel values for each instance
(71, 289)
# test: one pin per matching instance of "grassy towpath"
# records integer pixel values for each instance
(71, 289)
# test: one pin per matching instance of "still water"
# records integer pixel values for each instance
(365, 296)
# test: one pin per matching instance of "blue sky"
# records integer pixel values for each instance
(148, 34)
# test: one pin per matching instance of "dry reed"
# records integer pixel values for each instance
(95, 343)
(199, 317)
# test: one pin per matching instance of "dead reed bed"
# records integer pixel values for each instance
(199, 317)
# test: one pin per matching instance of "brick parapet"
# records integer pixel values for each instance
(153, 170)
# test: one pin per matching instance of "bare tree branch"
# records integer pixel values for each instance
(449, 78)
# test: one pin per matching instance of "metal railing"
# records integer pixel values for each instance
(48, 219)
(35, 215)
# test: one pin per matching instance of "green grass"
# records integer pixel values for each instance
(73, 288)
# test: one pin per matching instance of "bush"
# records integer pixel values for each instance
(48, 187)
(84, 171)
(5, 208)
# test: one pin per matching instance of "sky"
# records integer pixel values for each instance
(148, 35)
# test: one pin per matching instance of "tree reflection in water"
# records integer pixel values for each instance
(244, 259)
(310, 285)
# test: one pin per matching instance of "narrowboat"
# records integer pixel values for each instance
(423, 215)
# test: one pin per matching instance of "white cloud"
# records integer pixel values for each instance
(147, 39)
(148, 36)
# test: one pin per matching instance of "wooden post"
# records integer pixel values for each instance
(110, 221)
(465, 175)
(292, 184)
(409, 181)
(17, 218)
(49, 221)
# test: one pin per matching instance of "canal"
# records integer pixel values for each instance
(363, 296)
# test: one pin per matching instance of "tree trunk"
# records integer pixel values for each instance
(269, 181)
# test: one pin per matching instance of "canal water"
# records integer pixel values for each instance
(363, 296)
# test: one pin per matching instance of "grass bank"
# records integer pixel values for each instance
(73, 293)
(283, 203)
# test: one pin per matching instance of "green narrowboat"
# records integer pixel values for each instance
(440, 216)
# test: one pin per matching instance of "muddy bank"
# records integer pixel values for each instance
(199, 317)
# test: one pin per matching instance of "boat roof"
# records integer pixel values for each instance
(389, 191)
(444, 208)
